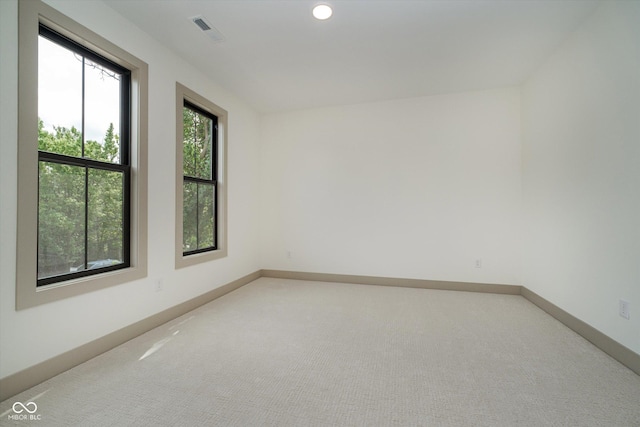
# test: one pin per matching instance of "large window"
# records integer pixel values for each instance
(82, 150)
(200, 179)
(83, 161)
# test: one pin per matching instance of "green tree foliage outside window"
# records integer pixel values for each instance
(63, 218)
(199, 187)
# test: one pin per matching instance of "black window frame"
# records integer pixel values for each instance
(213, 182)
(124, 167)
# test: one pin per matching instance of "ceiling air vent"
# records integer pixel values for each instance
(207, 28)
(200, 23)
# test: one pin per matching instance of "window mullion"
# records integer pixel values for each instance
(215, 214)
(82, 107)
(197, 216)
(75, 161)
(86, 173)
(86, 217)
(195, 143)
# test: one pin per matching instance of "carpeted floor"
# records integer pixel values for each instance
(292, 353)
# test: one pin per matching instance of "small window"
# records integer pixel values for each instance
(83, 161)
(199, 149)
(201, 201)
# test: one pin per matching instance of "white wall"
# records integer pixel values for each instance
(581, 180)
(34, 335)
(416, 188)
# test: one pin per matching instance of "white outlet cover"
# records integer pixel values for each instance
(624, 309)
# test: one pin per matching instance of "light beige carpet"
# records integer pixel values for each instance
(292, 353)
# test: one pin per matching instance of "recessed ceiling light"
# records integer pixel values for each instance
(322, 12)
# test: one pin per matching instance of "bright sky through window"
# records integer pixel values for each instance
(60, 92)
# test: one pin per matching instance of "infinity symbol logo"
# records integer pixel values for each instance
(22, 407)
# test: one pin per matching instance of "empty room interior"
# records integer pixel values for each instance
(397, 213)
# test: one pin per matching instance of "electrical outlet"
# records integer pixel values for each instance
(478, 263)
(624, 309)
(159, 285)
(289, 254)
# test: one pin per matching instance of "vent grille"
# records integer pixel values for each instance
(206, 27)
(200, 23)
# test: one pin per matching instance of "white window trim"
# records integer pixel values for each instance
(30, 15)
(183, 93)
